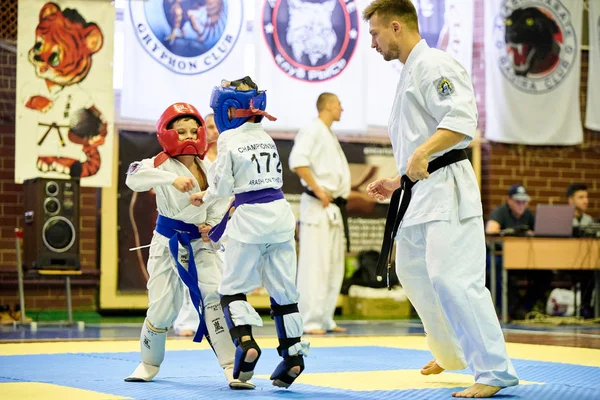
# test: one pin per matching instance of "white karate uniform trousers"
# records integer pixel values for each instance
(188, 319)
(321, 264)
(248, 266)
(165, 292)
(441, 266)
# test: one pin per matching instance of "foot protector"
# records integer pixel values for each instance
(243, 370)
(236, 384)
(143, 373)
(280, 376)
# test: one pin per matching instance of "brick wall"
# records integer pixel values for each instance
(47, 292)
(545, 171)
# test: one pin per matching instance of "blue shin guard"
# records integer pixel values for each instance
(242, 370)
(284, 376)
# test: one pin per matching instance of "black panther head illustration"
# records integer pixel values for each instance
(530, 41)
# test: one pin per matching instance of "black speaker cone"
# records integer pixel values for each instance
(51, 206)
(58, 234)
(52, 188)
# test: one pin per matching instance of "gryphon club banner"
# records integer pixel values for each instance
(178, 51)
(533, 62)
(305, 48)
(444, 24)
(65, 100)
(592, 118)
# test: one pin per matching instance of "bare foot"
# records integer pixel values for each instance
(478, 390)
(293, 372)
(338, 329)
(316, 332)
(186, 332)
(432, 368)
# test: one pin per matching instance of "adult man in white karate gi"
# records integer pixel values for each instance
(320, 163)
(440, 257)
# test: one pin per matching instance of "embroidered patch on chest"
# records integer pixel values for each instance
(444, 87)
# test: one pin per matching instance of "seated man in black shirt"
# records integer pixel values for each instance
(512, 217)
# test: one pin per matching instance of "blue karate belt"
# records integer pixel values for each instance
(254, 197)
(398, 208)
(180, 232)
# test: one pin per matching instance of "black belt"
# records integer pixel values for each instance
(398, 208)
(341, 203)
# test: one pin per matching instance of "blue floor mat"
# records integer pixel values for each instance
(195, 374)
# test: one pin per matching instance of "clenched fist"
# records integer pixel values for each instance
(204, 230)
(197, 199)
(184, 184)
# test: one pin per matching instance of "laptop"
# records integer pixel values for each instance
(554, 220)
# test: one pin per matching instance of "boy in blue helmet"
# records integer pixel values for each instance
(261, 248)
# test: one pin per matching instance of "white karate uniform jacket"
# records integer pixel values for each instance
(440, 251)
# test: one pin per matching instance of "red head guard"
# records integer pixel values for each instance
(169, 138)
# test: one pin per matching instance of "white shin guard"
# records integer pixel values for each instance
(152, 341)
(220, 339)
(222, 344)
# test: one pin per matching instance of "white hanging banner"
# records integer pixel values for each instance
(533, 63)
(444, 24)
(592, 114)
(65, 100)
(305, 48)
(178, 51)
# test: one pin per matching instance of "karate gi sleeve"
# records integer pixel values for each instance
(220, 175)
(449, 96)
(304, 147)
(143, 176)
(216, 210)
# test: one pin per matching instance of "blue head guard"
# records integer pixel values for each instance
(245, 103)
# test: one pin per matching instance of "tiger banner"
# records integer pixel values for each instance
(533, 66)
(444, 24)
(64, 94)
(177, 51)
(592, 115)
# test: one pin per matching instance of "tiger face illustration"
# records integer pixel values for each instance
(62, 57)
(64, 45)
(530, 41)
(310, 31)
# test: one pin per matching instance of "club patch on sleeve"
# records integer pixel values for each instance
(133, 167)
(444, 87)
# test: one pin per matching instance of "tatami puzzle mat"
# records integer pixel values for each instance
(349, 368)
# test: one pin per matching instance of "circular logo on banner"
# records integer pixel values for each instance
(311, 40)
(536, 44)
(187, 36)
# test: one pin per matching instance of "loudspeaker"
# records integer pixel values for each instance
(51, 231)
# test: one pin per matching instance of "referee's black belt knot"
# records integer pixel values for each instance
(398, 206)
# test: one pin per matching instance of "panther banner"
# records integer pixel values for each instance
(65, 101)
(592, 115)
(178, 51)
(444, 24)
(533, 61)
(304, 48)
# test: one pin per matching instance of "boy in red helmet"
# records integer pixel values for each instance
(180, 251)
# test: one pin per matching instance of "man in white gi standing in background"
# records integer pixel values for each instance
(320, 163)
(440, 257)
